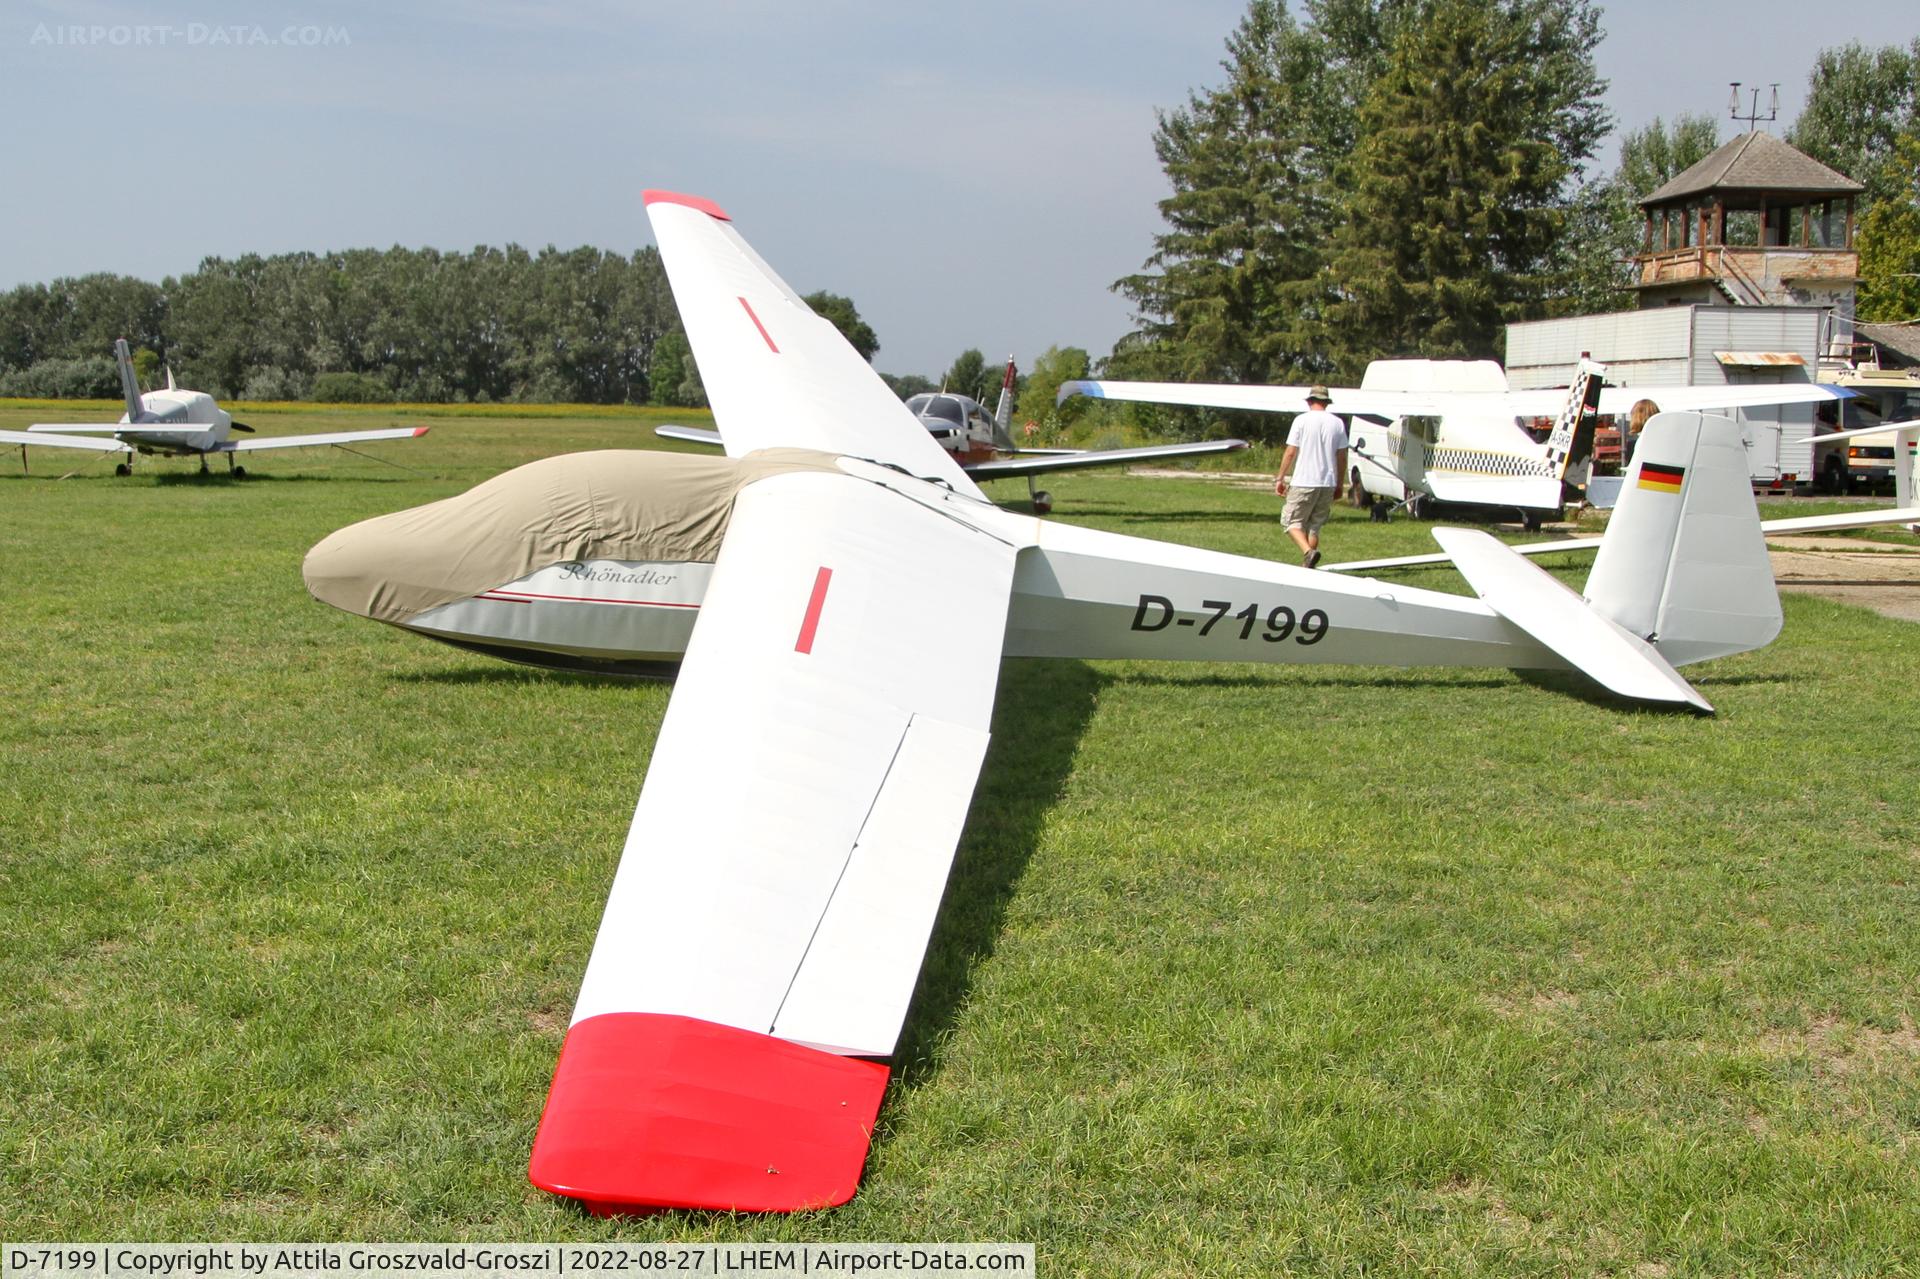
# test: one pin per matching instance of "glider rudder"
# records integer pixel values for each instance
(1684, 562)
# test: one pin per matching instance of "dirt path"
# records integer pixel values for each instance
(1876, 575)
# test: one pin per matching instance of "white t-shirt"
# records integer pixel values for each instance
(1319, 436)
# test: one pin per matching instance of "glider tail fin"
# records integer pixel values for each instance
(1583, 398)
(1684, 561)
(1003, 411)
(129, 384)
(1906, 454)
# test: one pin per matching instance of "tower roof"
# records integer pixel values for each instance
(1756, 162)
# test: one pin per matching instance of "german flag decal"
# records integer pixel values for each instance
(1661, 478)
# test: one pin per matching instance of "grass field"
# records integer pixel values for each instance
(1242, 970)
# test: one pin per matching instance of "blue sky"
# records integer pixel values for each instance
(969, 175)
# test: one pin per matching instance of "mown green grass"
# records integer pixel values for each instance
(1243, 970)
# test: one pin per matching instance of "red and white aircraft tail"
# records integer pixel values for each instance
(1003, 411)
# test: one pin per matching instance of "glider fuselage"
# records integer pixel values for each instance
(1077, 592)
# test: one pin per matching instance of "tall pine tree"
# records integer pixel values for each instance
(1228, 291)
(1458, 186)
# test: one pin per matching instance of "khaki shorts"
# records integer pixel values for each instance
(1307, 508)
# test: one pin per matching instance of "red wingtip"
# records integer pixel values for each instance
(419, 431)
(653, 1111)
(701, 203)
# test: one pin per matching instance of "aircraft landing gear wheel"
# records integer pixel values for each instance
(1358, 495)
(122, 468)
(1042, 503)
(1530, 521)
(1417, 507)
(239, 472)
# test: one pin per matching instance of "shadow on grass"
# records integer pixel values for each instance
(221, 479)
(502, 673)
(1260, 679)
(1044, 706)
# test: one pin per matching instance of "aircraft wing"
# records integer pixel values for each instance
(1262, 399)
(87, 428)
(329, 437)
(1392, 404)
(1040, 464)
(772, 906)
(776, 374)
(690, 435)
(47, 439)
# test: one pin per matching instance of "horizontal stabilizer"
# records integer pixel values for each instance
(1540, 605)
(690, 435)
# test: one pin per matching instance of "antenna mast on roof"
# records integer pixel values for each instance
(1752, 114)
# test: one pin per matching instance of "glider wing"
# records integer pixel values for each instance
(776, 374)
(786, 860)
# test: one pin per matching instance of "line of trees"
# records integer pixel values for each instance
(1381, 178)
(1373, 178)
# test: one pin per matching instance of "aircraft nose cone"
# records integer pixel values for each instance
(348, 569)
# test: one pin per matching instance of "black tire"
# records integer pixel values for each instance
(121, 468)
(1042, 503)
(239, 472)
(1530, 521)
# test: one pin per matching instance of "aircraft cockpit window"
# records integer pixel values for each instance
(944, 407)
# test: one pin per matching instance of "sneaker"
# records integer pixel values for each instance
(1312, 560)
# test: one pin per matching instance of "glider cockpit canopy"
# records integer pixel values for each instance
(613, 504)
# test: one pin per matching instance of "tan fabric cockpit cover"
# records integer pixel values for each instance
(615, 504)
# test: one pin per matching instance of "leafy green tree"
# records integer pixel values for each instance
(1889, 239)
(1052, 367)
(1231, 288)
(1859, 101)
(1381, 177)
(969, 375)
(1605, 226)
(1457, 187)
(908, 385)
(843, 315)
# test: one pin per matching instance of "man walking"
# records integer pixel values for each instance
(1313, 473)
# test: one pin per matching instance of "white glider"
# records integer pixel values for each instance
(179, 423)
(838, 596)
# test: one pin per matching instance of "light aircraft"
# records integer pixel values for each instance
(1449, 431)
(837, 594)
(176, 422)
(976, 439)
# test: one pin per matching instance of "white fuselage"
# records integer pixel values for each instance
(166, 412)
(1077, 592)
(1466, 458)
